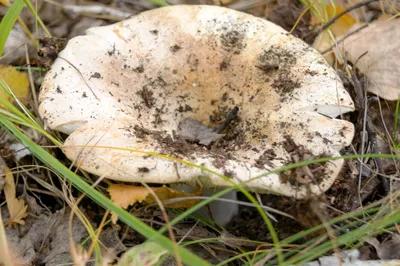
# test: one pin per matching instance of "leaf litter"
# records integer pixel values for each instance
(44, 216)
(44, 238)
(375, 51)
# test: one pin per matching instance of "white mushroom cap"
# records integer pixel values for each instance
(130, 84)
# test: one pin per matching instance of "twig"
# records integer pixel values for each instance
(344, 38)
(359, 58)
(372, 135)
(333, 20)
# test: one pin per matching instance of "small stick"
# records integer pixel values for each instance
(333, 20)
(372, 135)
(344, 38)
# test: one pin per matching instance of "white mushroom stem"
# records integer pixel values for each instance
(221, 212)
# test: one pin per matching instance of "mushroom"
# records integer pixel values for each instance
(208, 85)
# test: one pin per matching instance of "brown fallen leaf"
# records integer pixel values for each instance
(125, 195)
(375, 51)
(50, 232)
(388, 250)
(16, 207)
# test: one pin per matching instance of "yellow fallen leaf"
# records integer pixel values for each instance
(16, 207)
(5, 2)
(341, 26)
(166, 193)
(125, 195)
(17, 81)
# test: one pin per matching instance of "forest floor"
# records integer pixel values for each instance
(364, 193)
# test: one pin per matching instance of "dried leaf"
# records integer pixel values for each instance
(125, 195)
(195, 131)
(387, 250)
(17, 81)
(375, 51)
(16, 207)
(146, 254)
(50, 231)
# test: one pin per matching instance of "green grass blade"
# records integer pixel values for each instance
(158, 2)
(368, 230)
(186, 256)
(8, 22)
(10, 111)
(38, 19)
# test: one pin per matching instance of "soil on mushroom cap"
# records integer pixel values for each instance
(236, 139)
(220, 151)
(225, 148)
(147, 94)
(232, 39)
(265, 158)
(312, 173)
(278, 63)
